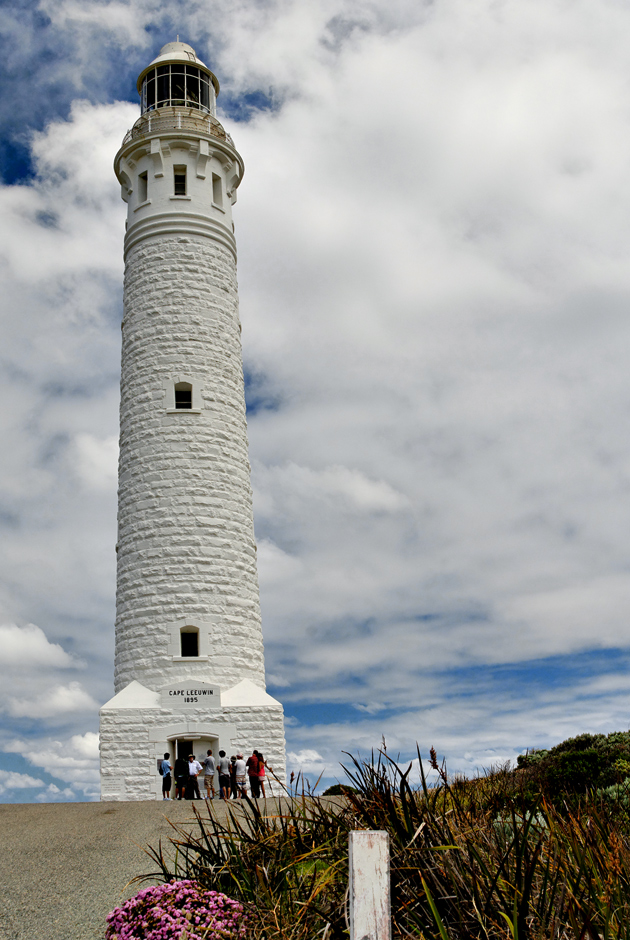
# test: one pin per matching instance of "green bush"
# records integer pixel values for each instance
(338, 789)
(577, 765)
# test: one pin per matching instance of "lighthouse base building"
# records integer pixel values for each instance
(138, 726)
(189, 660)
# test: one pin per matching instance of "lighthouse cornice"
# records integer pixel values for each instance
(179, 223)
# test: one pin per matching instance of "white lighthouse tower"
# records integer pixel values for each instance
(189, 672)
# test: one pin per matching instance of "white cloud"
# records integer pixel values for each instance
(28, 647)
(97, 460)
(32, 668)
(274, 564)
(592, 612)
(306, 761)
(54, 793)
(55, 701)
(60, 266)
(347, 488)
(10, 780)
(73, 760)
(85, 745)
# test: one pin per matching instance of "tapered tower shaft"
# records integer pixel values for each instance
(186, 549)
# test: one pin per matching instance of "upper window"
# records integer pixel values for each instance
(189, 639)
(177, 86)
(183, 395)
(179, 180)
(143, 187)
(217, 190)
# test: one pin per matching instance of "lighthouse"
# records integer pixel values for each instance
(189, 662)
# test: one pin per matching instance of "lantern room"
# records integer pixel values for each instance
(178, 79)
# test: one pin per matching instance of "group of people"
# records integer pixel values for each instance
(234, 772)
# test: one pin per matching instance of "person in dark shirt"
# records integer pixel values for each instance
(252, 773)
(181, 777)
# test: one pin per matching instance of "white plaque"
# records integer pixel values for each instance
(190, 694)
(112, 787)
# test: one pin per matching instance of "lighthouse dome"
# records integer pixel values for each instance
(174, 51)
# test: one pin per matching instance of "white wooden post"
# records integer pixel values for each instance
(370, 909)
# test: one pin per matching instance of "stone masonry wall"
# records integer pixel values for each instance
(186, 545)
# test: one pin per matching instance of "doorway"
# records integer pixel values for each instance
(184, 748)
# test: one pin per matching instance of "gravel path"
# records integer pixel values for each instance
(64, 866)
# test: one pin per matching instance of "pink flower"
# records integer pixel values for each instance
(166, 912)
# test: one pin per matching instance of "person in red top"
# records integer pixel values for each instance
(261, 773)
(252, 773)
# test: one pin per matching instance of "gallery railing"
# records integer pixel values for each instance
(169, 119)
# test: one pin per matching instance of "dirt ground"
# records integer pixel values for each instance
(65, 866)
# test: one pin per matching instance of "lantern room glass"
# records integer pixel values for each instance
(177, 86)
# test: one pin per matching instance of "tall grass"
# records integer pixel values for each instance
(469, 858)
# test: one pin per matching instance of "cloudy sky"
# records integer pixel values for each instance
(434, 236)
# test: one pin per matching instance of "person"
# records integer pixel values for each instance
(252, 772)
(194, 768)
(241, 773)
(224, 776)
(167, 780)
(261, 773)
(181, 777)
(209, 769)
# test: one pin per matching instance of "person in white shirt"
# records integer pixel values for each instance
(194, 768)
(240, 769)
(224, 776)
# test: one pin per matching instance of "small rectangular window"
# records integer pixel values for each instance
(217, 190)
(143, 187)
(190, 644)
(179, 180)
(183, 395)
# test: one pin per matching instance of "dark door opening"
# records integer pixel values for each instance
(184, 748)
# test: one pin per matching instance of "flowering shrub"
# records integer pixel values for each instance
(180, 910)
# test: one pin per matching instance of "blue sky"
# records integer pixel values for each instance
(433, 234)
